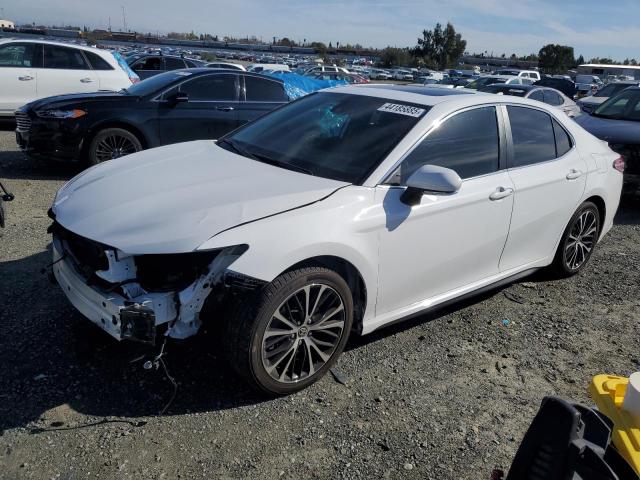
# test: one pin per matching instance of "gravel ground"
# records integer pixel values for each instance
(443, 396)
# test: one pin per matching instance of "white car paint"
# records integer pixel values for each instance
(201, 197)
(195, 173)
(21, 85)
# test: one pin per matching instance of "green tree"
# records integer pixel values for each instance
(391, 57)
(440, 47)
(556, 58)
(580, 60)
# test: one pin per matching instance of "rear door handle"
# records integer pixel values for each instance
(86, 80)
(25, 78)
(573, 174)
(225, 109)
(500, 193)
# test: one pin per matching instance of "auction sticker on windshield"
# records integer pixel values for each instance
(401, 109)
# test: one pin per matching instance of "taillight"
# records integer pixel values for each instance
(618, 164)
(134, 80)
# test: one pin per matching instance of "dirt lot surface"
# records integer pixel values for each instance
(445, 396)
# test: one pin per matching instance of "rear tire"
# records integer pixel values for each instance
(578, 241)
(112, 143)
(291, 332)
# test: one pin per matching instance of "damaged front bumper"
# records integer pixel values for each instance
(125, 310)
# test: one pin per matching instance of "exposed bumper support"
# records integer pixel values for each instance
(135, 314)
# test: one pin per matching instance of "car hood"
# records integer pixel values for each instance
(79, 98)
(172, 199)
(610, 130)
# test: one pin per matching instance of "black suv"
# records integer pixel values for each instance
(178, 106)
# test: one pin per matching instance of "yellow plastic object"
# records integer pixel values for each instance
(608, 392)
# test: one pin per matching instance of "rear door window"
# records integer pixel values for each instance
(64, 58)
(552, 98)
(533, 137)
(262, 90)
(148, 63)
(211, 88)
(173, 63)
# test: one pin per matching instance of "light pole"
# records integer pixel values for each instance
(124, 20)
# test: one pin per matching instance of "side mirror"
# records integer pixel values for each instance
(430, 178)
(179, 97)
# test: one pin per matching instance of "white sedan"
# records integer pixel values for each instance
(337, 214)
(547, 95)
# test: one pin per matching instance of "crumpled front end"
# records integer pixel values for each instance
(132, 297)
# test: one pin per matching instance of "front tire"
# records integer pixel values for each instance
(292, 332)
(112, 143)
(578, 241)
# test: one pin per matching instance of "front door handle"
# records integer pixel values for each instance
(573, 174)
(25, 78)
(500, 193)
(225, 109)
(86, 80)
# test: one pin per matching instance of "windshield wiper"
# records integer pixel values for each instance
(264, 159)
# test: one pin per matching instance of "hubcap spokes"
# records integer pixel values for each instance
(581, 240)
(114, 146)
(303, 333)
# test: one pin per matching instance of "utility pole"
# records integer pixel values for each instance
(109, 23)
(124, 19)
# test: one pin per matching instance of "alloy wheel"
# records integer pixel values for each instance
(581, 240)
(303, 333)
(114, 146)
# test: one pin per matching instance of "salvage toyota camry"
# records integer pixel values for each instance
(334, 215)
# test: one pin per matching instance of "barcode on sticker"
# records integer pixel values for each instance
(401, 109)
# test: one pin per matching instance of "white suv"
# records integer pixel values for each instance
(33, 69)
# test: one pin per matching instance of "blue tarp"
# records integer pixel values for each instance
(298, 86)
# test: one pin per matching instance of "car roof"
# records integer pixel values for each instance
(421, 95)
(506, 86)
(235, 71)
(52, 42)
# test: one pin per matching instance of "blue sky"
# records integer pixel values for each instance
(592, 27)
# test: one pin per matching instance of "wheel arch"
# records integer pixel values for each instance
(129, 126)
(601, 206)
(349, 273)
